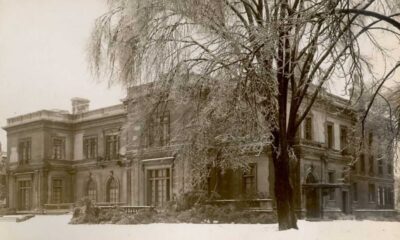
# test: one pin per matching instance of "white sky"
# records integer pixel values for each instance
(43, 58)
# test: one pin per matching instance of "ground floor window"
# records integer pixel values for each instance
(371, 192)
(91, 190)
(57, 190)
(249, 180)
(158, 189)
(24, 195)
(112, 191)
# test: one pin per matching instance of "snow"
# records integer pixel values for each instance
(57, 228)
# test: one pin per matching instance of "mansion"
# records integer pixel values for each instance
(57, 157)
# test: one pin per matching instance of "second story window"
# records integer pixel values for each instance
(362, 163)
(112, 146)
(380, 166)
(90, 147)
(389, 169)
(330, 135)
(24, 151)
(343, 138)
(371, 164)
(159, 130)
(308, 128)
(370, 139)
(58, 148)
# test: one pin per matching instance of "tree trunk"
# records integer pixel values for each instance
(284, 193)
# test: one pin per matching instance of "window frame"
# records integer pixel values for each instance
(58, 150)
(330, 139)
(24, 150)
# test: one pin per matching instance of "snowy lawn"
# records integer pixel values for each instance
(57, 228)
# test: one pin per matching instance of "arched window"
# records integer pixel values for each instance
(112, 191)
(91, 190)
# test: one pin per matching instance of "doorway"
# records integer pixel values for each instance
(24, 195)
(345, 202)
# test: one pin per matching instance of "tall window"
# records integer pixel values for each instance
(355, 192)
(362, 163)
(371, 192)
(330, 135)
(158, 189)
(380, 166)
(249, 180)
(90, 147)
(112, 146)
(331, 179)
(370, 139)
(371, 164)
(91, 190)
(343, 138)
(24, 151)
(389, 169)
(57, 189)
(159, 130)
(58, 148)
(112, 191)
(308, 128)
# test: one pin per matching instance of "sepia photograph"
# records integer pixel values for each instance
(199, 119)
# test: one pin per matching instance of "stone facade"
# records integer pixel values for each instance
(55, 157)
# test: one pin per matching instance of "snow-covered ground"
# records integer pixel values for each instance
(57, 228)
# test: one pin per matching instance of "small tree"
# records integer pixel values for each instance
(260, 61)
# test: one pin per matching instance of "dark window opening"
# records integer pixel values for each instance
(112, 147)
(90, 147)
(330, 135)
(24, 151)
(58, 148)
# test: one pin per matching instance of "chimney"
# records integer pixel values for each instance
(80, 105)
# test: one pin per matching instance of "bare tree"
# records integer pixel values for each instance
(259, 60)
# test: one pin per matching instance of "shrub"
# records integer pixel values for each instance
(86, 212)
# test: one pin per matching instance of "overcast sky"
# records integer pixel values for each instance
(43, 59)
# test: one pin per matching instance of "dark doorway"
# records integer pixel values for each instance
(312, 203)
(24, 195)
(345, 202)
(312, 196)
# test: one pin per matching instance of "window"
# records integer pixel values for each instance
(330, 135)
(58, 148)
(24, 151)
(370, 139)
(362, 163)
(249, 180)
(389, 169)
(158, 189)
(380, 166)
(355, 192)
(90, 147)
(91, 190)
(24, 195)
(331, 179)
(308, 128)
(343, 138)
(371, 192)
(57, 188)
(371, 164)
(112, 146)
(112, 191)
(159, 130)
